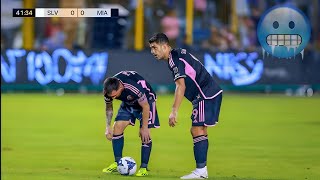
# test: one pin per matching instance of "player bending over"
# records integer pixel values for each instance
(138, 102)
(195, 83)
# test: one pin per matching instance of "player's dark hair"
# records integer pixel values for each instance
(110, 84)
(159, 38)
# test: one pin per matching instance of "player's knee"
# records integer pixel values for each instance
(198, 131)
(119, 127)
(193, 131)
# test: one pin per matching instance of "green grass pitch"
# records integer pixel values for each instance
(49, 137)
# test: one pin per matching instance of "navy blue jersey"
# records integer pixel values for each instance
(199, 83)
(136, 89)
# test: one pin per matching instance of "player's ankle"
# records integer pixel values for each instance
(202, 170)
(143, 165)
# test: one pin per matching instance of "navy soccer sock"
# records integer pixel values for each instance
(117, 144)
(145, 154)
(200, 150)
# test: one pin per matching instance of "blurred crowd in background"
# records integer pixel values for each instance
(213, 24)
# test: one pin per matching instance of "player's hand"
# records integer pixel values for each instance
(109, 133)
(173, 119)
(145, 134)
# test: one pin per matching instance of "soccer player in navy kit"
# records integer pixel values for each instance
(138, 102)
(195, 83)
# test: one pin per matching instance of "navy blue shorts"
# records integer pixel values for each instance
(206, 112)
(129, 113)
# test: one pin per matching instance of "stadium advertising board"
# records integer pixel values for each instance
(62, 66)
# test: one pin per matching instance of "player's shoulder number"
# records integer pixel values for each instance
(183, 51)
(128, 73)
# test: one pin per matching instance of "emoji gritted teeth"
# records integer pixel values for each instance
(283, 32)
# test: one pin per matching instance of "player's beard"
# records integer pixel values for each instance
(157, 57)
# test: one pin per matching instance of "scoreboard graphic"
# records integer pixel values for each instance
(66, 12)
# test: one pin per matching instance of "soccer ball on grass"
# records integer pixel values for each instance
(127, 166)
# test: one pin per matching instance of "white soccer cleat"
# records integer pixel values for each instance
(197, 174)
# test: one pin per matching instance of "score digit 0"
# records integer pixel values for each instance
(81, 13)
(68, 12)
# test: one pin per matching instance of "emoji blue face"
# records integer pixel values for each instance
(283, 31)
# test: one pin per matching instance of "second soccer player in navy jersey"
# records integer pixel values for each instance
(138, 102)
(195, 83)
